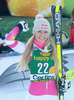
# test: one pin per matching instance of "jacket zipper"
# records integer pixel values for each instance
(46, 85)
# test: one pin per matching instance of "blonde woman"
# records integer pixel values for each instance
(40, 56)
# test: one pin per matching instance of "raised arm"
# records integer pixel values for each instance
(14, 44)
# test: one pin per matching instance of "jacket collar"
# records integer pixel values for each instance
(45, 49)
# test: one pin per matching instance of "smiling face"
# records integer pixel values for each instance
(41, 36)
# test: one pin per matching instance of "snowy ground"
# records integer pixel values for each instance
(14, 85)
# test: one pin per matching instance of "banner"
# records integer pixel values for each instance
(30, 8)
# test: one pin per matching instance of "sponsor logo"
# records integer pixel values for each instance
(41, 58)
(39, 77)
(44, 26)
(45, 53)
(58, 26)
(58, 21)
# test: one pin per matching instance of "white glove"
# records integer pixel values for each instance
(24, 24)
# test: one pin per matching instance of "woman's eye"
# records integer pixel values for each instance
(39, 31)
(46, 32)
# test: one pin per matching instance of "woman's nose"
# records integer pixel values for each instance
(42, 33)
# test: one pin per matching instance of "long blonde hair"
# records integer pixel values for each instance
(28, 51)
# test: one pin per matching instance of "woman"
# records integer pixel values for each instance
(40, 56)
